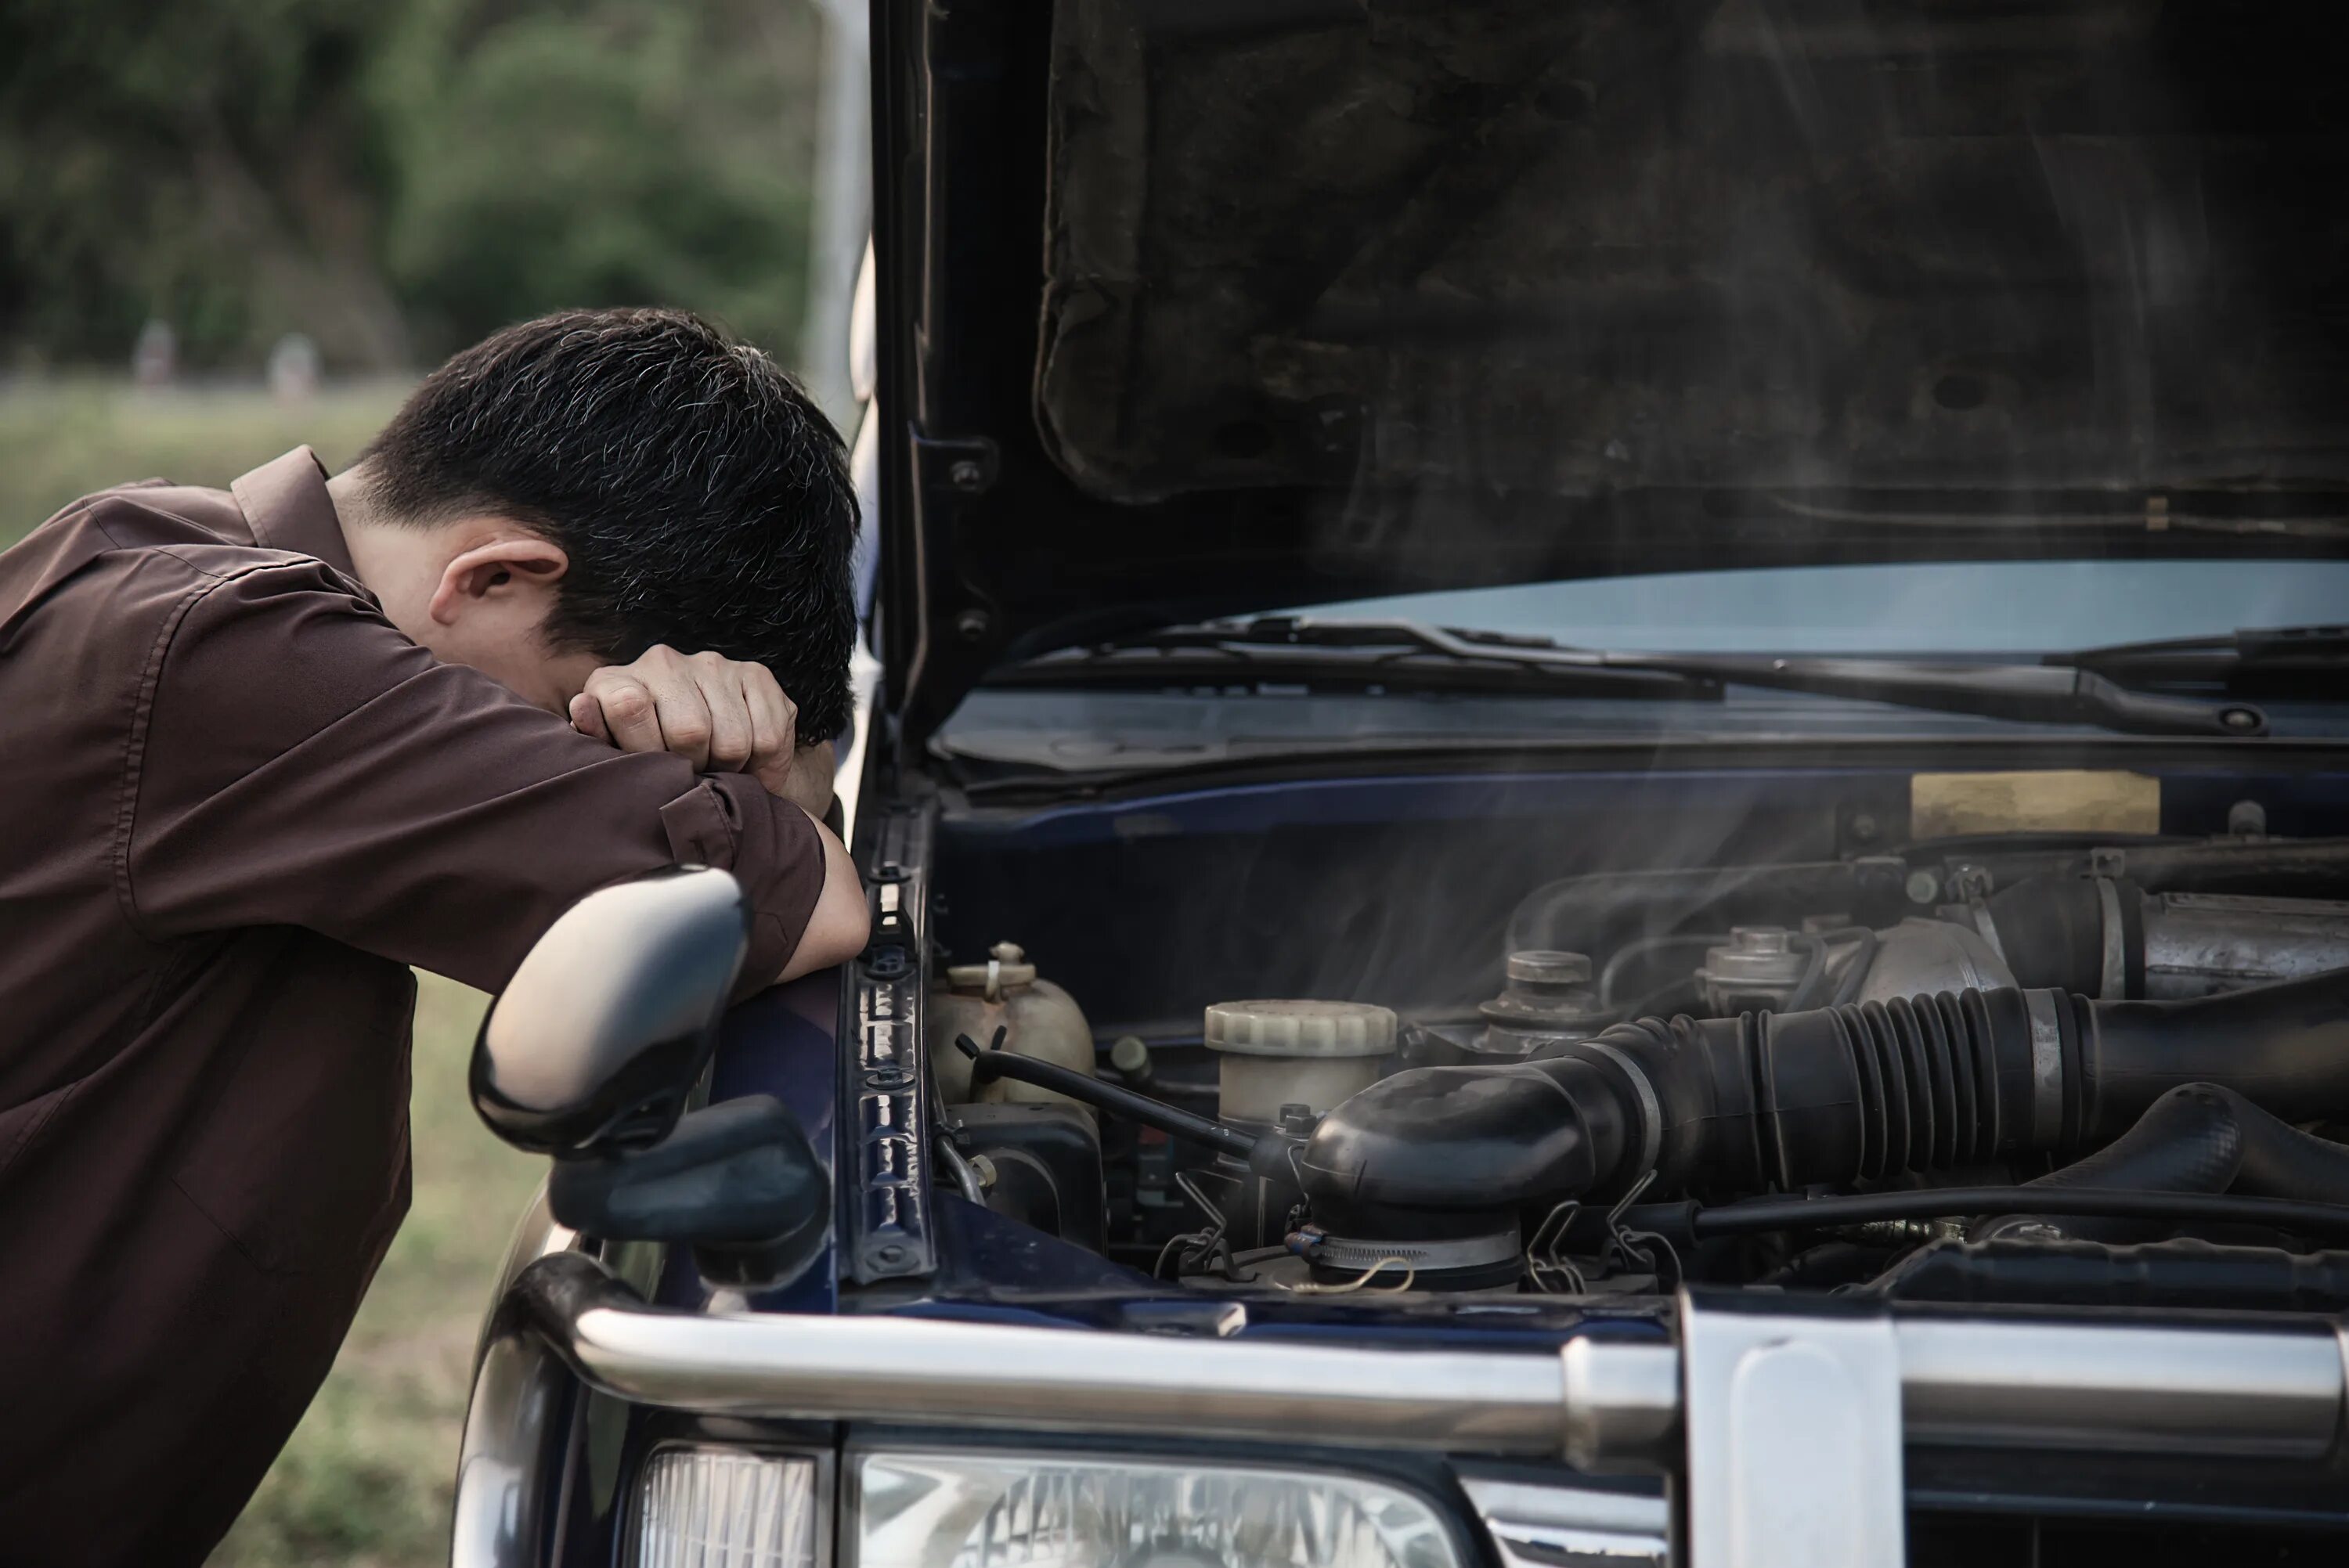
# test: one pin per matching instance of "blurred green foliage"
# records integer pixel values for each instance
(63, 436)
(395, 178)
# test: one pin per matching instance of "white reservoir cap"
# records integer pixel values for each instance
(1268, 1028)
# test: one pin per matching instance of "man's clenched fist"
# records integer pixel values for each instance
(719, 714)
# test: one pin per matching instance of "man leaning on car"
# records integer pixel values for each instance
(265, 749)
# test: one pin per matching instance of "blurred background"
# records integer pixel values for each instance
(228, 227)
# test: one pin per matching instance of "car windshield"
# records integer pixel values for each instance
(1923, 607)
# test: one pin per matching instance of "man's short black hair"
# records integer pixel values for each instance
(705, 502)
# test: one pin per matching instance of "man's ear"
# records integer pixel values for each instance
(518, 565)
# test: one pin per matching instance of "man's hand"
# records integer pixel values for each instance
(721, 715)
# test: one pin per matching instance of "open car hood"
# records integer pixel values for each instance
(1193, 306)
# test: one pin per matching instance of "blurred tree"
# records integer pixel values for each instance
(207, 164)
(393, 177)
(601, 152)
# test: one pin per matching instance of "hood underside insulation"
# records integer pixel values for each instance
(1545, 250)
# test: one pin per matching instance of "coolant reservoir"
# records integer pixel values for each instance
(1313, 1054)
(1040, 1020)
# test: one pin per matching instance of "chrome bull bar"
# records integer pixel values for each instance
(1856, 1381)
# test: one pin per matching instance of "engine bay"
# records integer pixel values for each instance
(2026, 1065)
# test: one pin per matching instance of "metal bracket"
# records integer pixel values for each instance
(964, 466)
(1794, 1436)
(886, 1171)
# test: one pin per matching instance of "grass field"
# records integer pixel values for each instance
(63, 437)
(366, 1478)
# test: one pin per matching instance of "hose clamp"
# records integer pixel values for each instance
(1426, 1258)
(2046, 1067)
(1651, 1110)
(2114, 980)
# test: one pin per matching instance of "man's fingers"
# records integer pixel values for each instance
(713, 711)
(587, 718)
(684, 717)
(775, 720)
(732, 736)
(626, 704)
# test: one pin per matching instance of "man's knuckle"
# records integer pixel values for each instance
(627, 703)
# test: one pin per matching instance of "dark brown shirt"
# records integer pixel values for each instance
(235, 805)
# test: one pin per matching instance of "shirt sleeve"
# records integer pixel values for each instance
(297, 760)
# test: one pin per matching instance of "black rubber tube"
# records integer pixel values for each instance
(2189, 1141)
(2204, 1138)
(1111, 1098)
(2284, 1046)
(2326, 1220)
(1830, 1096)
(2188, 1275)
(2281, 1161)
(2207, 1138)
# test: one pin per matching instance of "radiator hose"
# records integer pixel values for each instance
(2197, 1138)
(1828, 1096)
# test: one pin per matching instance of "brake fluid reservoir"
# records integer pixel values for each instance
(1277, 1053)
(1040, 1020)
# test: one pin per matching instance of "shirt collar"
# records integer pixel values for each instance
(285, 504)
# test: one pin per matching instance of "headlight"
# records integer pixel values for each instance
(973, 1510)
(723, 1508)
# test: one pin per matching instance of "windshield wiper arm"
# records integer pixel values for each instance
(2034, 694)
(1399, 652)
(2277, 661)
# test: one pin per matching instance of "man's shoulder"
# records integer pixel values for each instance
(126, 578)
(151, 515)
(157, 534)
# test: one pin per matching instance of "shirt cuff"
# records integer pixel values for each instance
(772, 846)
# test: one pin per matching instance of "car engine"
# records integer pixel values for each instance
(1999, 1069)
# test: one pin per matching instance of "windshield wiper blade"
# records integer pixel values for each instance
(1398, 653)
(1349, 654)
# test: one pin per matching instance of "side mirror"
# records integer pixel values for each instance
(595, 1045)
(737, 1180)
(590, 1052)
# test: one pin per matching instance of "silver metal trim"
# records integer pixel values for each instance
(1020, 1377)
(1622, 1402)
(2113, 982)
(1794, 1438)
(1651, 1110)
(518, 1389)
(2046, 1067)
(1571, 1526)
(518, 1382)
(2268, 1386)
(2276, 1391)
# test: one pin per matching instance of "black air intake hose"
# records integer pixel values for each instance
(1832, 1095)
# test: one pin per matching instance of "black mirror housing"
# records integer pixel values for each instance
(737, 1180)
(596, 1042)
